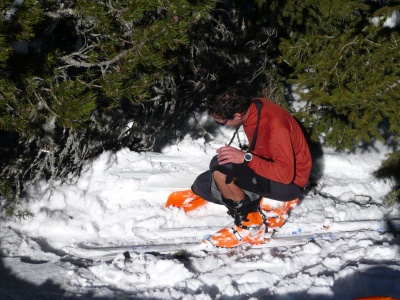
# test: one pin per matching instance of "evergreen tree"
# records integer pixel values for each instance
(73, 77)
(94, 75)
(390, 169)
(228, 49)
(344, 61)
(93, 67)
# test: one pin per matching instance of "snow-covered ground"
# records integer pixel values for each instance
(124, 192)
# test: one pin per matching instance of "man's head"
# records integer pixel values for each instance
(229, 106)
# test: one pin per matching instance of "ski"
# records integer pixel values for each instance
(291, 234)
(196, 232)
(289, 229)
(100, 252)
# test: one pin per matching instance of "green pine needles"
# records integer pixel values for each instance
(73, 76)
(348, 74)
(343, 58)
(65, 72)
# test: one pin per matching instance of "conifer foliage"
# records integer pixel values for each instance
(78, 77)
(346, 66)
(344, 59)
(81, 77)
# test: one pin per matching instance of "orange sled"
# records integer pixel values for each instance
(186, 200)
(276, 211)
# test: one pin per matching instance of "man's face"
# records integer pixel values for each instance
(236, 120)
(221, 121)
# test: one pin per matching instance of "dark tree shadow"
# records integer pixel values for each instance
(12, 287)
(372, 281)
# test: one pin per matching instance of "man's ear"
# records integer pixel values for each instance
(238, 116)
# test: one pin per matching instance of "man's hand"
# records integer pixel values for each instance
(228, 154)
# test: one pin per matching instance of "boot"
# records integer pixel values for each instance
(276, 212)
(249, 225)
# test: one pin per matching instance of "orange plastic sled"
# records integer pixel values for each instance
(186, 200)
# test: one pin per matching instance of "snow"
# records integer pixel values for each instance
(121, 196)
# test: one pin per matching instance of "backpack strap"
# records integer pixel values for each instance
(259, 106)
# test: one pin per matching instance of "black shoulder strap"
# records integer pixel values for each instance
(259, 106)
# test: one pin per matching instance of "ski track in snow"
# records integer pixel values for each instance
(125, 191)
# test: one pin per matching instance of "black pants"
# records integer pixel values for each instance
(246, 179)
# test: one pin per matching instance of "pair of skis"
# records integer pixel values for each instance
(194, 239)
(292, 234)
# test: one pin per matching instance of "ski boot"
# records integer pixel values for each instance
(276, 212)
(249, 225)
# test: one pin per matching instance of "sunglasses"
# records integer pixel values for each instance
(222, 123)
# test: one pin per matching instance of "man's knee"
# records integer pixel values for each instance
(201, 186)
(228, 191)
(219, 177)
(214, 162)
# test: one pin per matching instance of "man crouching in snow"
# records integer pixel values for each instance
(276, 165)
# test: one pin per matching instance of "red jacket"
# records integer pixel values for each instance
(281, 152)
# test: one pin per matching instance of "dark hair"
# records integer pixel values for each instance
(226, 104)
